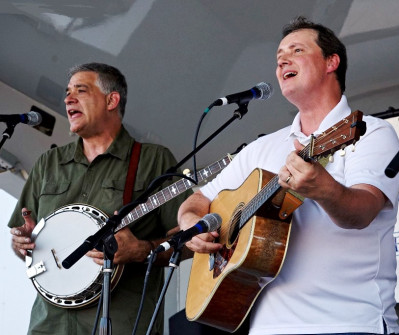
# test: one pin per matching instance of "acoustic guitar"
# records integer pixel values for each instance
(256, 222)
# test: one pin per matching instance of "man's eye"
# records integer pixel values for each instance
(298, 50)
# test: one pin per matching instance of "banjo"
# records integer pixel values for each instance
(60, 233)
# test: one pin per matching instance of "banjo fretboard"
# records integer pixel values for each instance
(172, 191)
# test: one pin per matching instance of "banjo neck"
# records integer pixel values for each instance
(168, 193)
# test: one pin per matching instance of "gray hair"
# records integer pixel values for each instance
(110, 79)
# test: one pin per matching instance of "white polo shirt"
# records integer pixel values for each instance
(333, 280)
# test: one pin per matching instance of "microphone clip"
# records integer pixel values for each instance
(174, 242)
(241, 110)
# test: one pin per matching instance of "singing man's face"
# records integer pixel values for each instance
(301, 67)
(86, 104)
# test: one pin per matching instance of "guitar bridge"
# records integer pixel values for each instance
(36, 270)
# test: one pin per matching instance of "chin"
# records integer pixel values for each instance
(287, 92)
(74, 130)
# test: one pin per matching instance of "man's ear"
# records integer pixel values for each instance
(333, 63)
(113, 99)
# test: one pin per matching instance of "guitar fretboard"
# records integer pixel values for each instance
(266, 193)
(172, 191)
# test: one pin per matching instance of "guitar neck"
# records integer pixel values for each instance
(266, 193)
(172, 191)
(269, 190)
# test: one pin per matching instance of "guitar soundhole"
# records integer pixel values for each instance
(234, 229)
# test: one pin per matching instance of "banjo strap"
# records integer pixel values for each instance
(131, 173)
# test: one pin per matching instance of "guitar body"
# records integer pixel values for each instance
(223, 296)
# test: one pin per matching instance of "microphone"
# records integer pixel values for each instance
(31, 118)
(393, 167)
(261, 91)
(210, 222)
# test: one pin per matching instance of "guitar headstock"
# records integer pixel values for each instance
(345, 132)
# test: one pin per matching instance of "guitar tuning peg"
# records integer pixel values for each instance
(353, 147)
(331, 159)
(186, 172)
(342, 152)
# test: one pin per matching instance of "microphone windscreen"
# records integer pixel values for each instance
(34, 118)
(213, 221)
(266, 90)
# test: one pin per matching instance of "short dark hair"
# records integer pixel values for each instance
(110, 79)
(326, 40)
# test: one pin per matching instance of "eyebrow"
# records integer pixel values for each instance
(291, 46)
(77, 86)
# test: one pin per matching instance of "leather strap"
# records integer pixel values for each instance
(290, 203)
(131, 173)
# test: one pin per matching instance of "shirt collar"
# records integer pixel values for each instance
(119, 148)
(340, 111)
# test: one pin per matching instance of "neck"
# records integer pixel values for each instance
(313, 112)
(97, 145)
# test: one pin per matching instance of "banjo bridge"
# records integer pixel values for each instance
(36, 270)
(56, 259)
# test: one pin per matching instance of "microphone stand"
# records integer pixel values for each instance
(174, 263)
(109, 247)
(393, 167)
(390, 112)
(113, 221)
(238, 114)
(104, 237)
(7, 133)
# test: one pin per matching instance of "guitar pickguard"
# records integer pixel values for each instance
(221, 259)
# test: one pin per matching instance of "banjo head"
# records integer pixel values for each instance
(56, 237)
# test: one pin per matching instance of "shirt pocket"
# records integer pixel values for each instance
(138, 186)
(51, 188)
(112, 191)
(53, 196)
(111, 195)
(113, 185)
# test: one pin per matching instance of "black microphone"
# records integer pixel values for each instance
(261, 91)
(393, 167)
(210, 222)
(31, 118)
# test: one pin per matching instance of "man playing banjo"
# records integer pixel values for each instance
(93, 171)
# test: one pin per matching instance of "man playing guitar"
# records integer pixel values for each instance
(338, 274)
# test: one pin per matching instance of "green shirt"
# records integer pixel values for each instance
(63, 176)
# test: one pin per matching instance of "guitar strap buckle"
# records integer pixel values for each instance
(290, 203)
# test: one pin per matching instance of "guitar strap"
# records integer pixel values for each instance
(131, 173)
